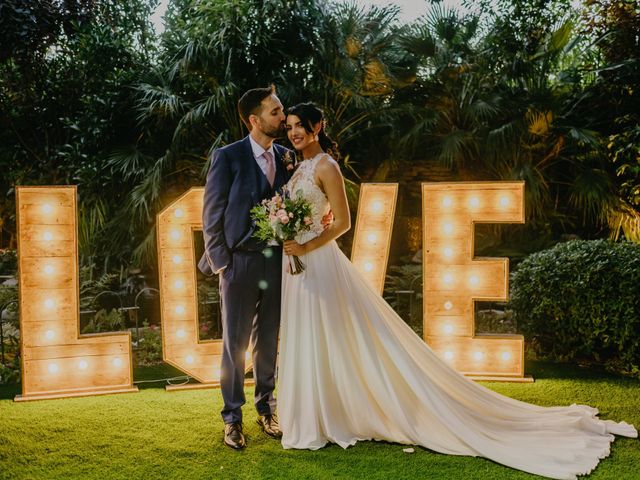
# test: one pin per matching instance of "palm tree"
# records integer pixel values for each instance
(493, 119)
(341, 56)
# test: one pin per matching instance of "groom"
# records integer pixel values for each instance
(241, 175)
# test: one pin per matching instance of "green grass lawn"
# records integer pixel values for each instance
(155, 434)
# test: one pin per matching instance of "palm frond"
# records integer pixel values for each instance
(592, 194)
(91, 222)
(145, 253)
(453, 148)
(158, 101)
(583, 136)
(129, 162)
(539, 122)
(624, 219)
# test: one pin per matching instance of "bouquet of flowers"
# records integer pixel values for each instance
(281, 218)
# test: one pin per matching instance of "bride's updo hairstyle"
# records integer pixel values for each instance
(310, 115)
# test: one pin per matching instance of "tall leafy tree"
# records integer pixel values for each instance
(344, 57)
(66, 73)
(499, 102)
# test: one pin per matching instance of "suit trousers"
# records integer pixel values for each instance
(250, 289)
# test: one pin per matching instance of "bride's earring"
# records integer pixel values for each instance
(315, 137)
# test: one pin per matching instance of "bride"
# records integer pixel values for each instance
(350, 369)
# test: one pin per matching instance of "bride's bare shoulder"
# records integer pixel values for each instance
(327, 164)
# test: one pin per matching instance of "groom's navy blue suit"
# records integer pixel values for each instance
(250, 284)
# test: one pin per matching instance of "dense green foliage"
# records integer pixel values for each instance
(580, 301)
(544, 91)
(66, 100)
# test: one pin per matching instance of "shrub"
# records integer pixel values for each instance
(8, 262)
(105, 321)
(149, 351)
(580, 301)
(10, 372)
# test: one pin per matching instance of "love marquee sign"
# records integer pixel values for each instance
(57, 361)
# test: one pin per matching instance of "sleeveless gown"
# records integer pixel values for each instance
(351, 369)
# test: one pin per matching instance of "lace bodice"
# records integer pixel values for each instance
(303, 184)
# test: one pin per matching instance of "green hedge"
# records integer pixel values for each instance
(580, 301)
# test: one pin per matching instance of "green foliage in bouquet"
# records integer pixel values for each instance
(281, 217)
(580, 301)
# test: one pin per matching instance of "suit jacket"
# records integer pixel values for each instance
(235, 184)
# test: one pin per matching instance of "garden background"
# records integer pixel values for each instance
(545, 91)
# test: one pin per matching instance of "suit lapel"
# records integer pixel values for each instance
(281, 173)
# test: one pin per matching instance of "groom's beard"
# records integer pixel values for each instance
(279, 132)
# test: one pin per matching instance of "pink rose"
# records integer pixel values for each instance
(290, 167)
(307, 221)
(282, 216)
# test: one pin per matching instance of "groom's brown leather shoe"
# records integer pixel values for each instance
(270, 426)
(233, 436)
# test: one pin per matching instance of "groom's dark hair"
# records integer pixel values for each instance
(251, 102)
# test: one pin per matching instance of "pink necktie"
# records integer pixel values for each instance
(271, 167)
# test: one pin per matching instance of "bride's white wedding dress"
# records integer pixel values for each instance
(350, 369)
